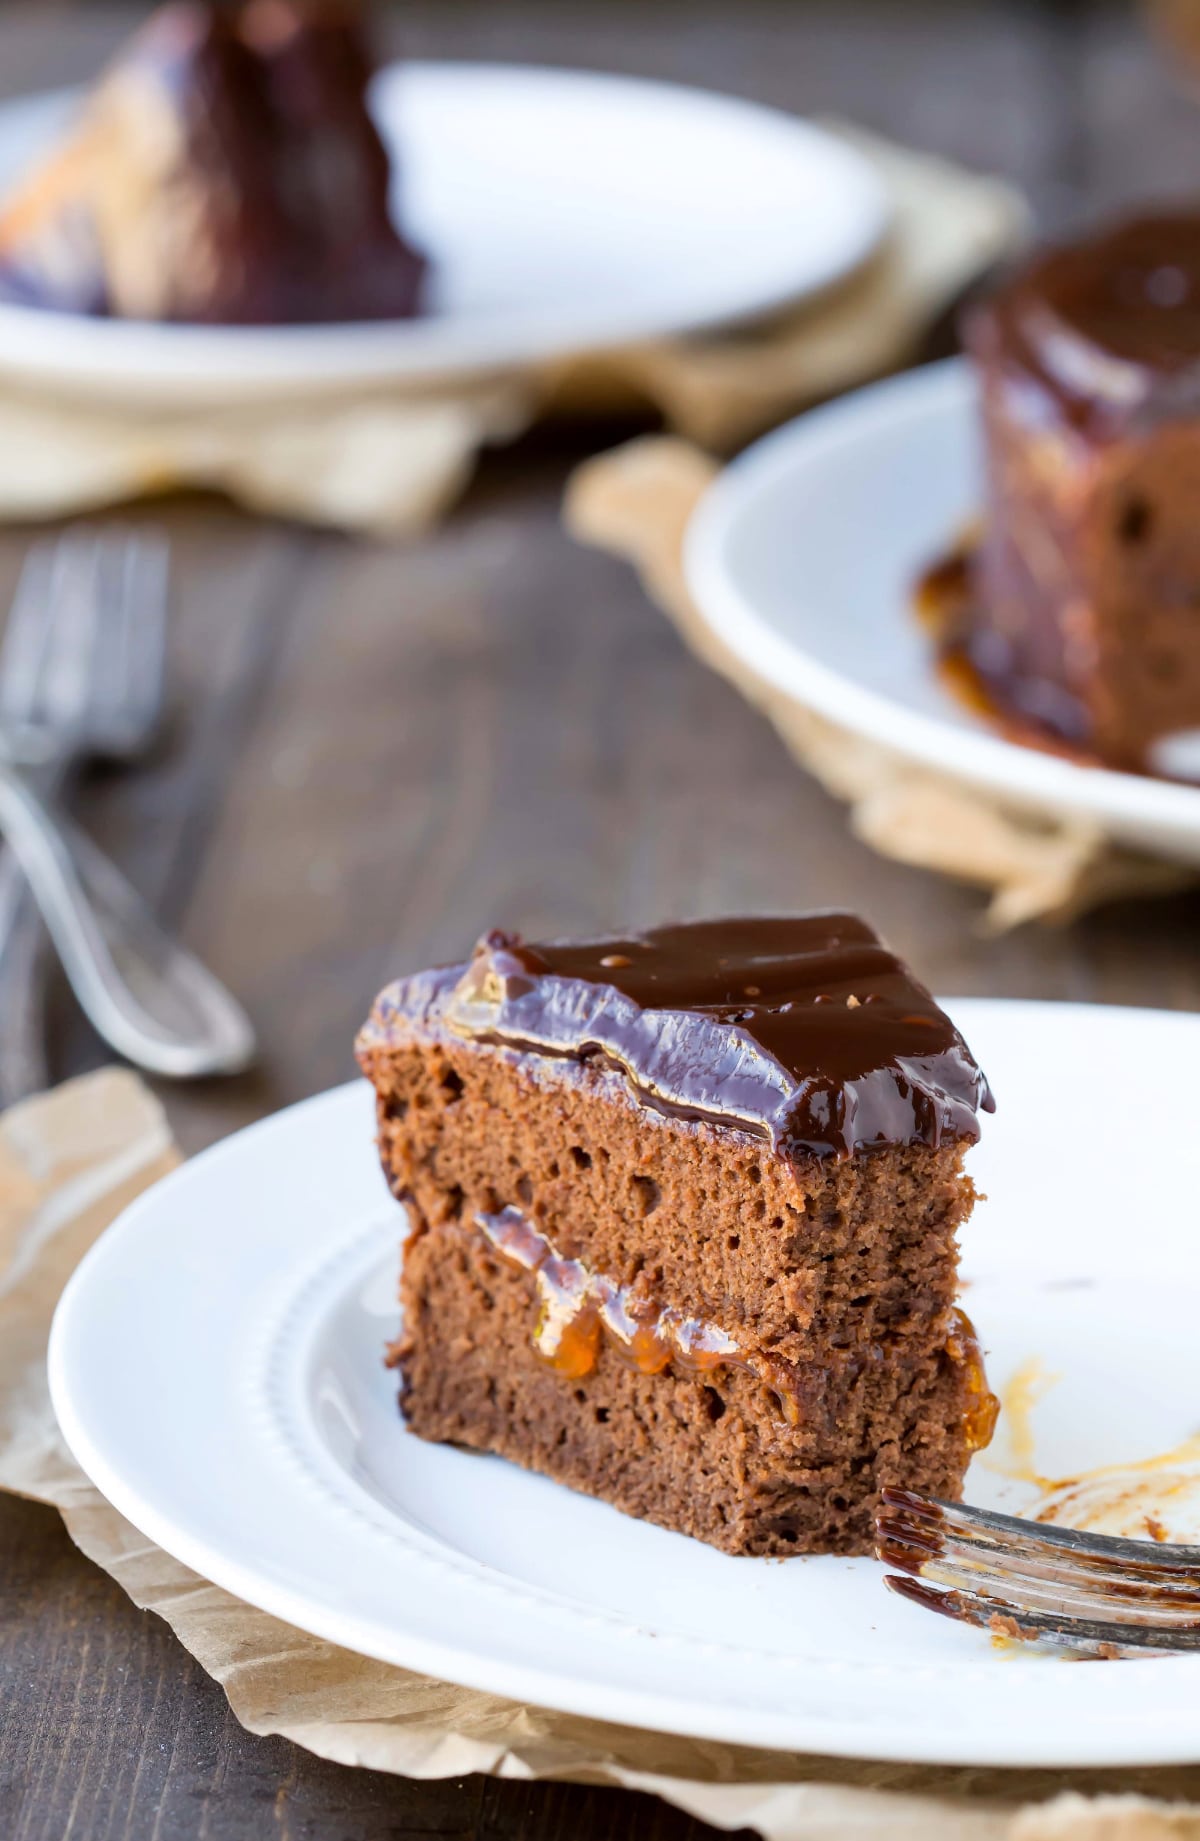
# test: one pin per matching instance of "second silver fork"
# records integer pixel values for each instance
(86, 687)
(1089, 1594)
(81, 673)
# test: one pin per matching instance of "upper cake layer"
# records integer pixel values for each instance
(806, 1031)
(1109, 326)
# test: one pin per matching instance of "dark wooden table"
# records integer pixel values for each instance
(376, 751)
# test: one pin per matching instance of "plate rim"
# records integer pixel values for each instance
(977, 756)
(249, 363)
(590, 1697)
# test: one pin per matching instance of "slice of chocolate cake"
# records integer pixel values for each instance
(1077, 612)
(225, 170)
(682, 1222)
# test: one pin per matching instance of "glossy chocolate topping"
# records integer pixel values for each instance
(1106, 323)
(805, 1031)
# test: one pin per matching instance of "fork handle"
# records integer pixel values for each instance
(149, 998)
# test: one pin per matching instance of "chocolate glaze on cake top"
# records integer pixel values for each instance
(806, 1031)
(1108, 325)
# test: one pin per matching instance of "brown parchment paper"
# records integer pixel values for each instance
(636, 501)
(392, 459)
(69, 1161)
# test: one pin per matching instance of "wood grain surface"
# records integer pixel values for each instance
(375, 751)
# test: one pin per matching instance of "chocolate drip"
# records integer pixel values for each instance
(806, 1032)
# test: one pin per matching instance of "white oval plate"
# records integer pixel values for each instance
(215, 1365)
(802, 557)
(562, 211)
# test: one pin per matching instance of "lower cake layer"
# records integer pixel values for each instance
(718, 1454)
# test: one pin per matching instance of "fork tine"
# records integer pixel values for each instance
(103, 661)
(84, 644)
(1064, 1594)
(26, 637)
(914, 1548)
(147, 578)
(135, 616)
(995, 1565)
(937, 1517)
(113, 713)
(125, 656)
(1077, 1635)
(1037, 1570)
(72, 618)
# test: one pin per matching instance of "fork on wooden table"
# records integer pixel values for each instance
(81, 676)
(1088, 1594)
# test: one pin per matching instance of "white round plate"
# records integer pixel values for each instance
(802, 557)
(561, 210)
(215, 1365)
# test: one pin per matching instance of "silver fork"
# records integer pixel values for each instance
(97, 688)
(1089, 1594)
(81, 673)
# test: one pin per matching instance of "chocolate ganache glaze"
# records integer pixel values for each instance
(1109, 327)
(806, 1031)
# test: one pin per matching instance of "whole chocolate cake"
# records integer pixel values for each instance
(1078, 610)
(224, 170)
(682, 1214)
